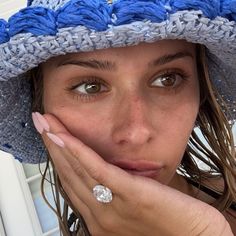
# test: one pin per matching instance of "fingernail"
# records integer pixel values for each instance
(56, 139)
(43, 122)
(37, 124)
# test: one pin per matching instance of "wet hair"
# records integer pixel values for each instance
(215, 148)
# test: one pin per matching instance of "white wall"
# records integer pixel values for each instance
(9, 7)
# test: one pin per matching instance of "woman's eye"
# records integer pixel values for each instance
(169, 80)
(91, 88)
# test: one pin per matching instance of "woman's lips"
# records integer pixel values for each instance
(147, 173)
(139, 167)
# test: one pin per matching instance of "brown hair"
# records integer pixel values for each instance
(217, 151)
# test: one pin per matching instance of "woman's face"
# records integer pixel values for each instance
(135, 106)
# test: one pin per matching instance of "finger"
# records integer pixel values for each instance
(69, 177)
(100, 170)
(49, 124)
(56, 126)
(75, 201)
(71, 174)
(80, 172)
(79, 206)
(68, 167)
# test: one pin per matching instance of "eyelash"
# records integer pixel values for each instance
(175, 71)
(88, 97)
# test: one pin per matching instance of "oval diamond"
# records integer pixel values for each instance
(102, 193)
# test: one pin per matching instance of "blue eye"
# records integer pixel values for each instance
(168, 80)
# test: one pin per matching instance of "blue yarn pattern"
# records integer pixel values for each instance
(37, 21)
(98, 15)
(129, 11)
(93, 14)
(229, 9)
(210, 8)
(4, 36)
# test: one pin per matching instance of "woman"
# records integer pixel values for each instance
(119, 122)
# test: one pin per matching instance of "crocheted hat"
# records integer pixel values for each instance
(47, 28)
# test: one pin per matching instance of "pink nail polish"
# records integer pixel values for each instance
(42, 121)
(56, 139)
(37, 124)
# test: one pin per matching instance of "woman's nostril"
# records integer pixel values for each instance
(133, 135)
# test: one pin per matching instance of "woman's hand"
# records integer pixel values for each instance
(140, 206)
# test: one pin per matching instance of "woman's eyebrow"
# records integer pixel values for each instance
(111, 66)
(91, 63)
(169, 58)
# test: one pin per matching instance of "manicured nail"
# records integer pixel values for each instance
(42, 121)
(56, 139)
(37, 124)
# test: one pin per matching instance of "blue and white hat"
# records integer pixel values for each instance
(47, 28)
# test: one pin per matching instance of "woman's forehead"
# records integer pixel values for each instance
(143, 50)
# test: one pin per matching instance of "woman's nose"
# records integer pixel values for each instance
(132, 123)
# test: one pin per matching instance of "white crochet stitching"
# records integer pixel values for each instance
(51, 4)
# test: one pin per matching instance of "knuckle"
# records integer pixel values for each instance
(78, 169)
(99, 174)
(75, 153)
(65, 175)
(95, 174)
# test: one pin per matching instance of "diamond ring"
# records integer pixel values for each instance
(102, 193)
